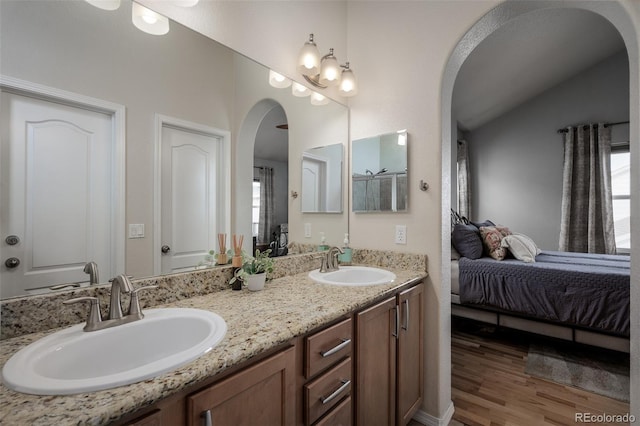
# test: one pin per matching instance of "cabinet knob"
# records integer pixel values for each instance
(165, 249)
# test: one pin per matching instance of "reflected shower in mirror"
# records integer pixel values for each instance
(379, 180)
(322, 179)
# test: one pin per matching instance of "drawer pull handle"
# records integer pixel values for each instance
(206, 418)
(406, 315)
(344, 344)
(345, 384)
(394, 333)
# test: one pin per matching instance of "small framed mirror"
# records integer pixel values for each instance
(379, 179)
(322, 179)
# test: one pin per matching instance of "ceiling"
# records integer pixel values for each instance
(527, 56)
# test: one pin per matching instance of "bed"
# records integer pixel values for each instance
(575, 296)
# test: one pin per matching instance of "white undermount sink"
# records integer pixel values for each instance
(354, 276)
(73, 361)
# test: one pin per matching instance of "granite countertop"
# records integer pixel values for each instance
(257, 321)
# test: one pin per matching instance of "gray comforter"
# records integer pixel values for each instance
(578, 289)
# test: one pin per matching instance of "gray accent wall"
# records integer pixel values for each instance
(516, 159)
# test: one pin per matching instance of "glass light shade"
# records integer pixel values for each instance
(299, 90)
(105, 4)
(330, 71)
(278, 80)
(348, 83)
(318, 99)
(148, 21)
(309, 59)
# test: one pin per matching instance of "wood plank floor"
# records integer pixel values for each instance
(490, 387)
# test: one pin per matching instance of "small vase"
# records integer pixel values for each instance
(256, 282)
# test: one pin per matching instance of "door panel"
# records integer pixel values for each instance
(189, 196)
(58, 161)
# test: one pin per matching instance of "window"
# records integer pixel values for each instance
(621, 190)
(255, 208)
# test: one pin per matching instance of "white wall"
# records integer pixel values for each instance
(517, 158)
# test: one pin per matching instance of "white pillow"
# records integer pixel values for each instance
(522, 247)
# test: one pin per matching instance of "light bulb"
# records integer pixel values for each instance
(278, 80)
(330, 70)
(309, 58)
(348, 84)
(299, 90)
(148, 21)
(318, 99)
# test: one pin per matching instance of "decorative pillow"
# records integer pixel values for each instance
(481, 224)
(492, 238)
(521, 247)
(466, 239)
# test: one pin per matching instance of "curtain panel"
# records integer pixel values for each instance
(464, 186)
(267, 203)
(587, 202)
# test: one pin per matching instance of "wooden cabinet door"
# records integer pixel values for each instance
(263, 394)
(410, 353)
(376, 364)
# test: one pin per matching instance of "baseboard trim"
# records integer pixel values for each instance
(429, 420)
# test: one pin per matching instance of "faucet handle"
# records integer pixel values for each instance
(134, 304)
(94, 317)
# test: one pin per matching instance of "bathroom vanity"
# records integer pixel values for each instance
(270, 363)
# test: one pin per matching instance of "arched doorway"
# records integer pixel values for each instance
(262, 113)
(496, 18)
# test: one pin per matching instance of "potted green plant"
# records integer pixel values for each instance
(254, 270)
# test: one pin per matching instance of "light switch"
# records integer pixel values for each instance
(307, 230)
(136, 230)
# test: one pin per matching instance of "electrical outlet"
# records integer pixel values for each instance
(307, 230)
(401, 234)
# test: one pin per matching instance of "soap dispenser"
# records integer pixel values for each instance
(323, 243)
(345, 258)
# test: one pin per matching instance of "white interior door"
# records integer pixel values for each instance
(313, 184)
(57, 162)
(189, 196)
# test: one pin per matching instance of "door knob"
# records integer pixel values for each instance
(12, 262)
(165, 249)
(12, 240)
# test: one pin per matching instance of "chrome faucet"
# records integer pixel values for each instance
(91, 268)
(330, 260)
(120, 284)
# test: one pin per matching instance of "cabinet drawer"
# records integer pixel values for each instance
(342, 415)
(325, 392)
(328, 346)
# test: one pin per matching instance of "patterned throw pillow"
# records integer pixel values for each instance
(492, 240)
(521, 247)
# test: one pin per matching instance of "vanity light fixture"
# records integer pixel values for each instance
(149, 21)
(278, 80)
(325, 71)
(105, 4)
